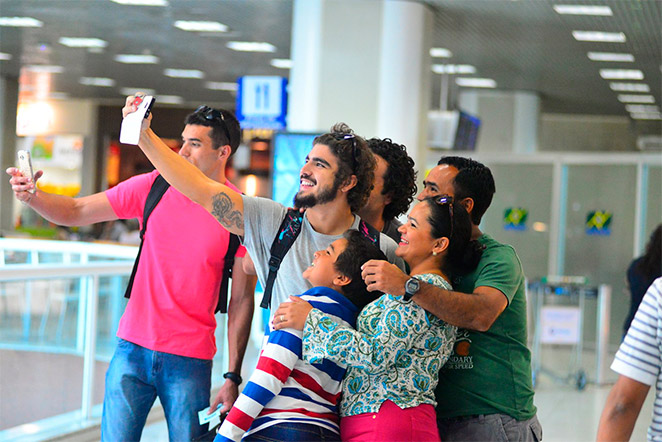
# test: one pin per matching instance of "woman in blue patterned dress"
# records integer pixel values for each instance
(395, 354)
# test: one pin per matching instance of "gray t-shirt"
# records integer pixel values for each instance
(262, 218)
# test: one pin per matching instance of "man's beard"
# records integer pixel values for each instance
(324, 196)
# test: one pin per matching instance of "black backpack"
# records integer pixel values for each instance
(287, 232)
(158, 189)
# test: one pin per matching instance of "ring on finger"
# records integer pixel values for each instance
(282, 318)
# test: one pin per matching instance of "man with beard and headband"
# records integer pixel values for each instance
(335, 182)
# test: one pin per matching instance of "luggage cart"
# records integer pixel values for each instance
(558, 310)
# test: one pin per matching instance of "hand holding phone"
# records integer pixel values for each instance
(25, 166)
(132, 123)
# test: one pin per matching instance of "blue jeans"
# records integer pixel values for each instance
(291, 432)
(137, 376)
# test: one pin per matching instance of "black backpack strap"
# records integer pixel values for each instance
(228, 263)
(158, 189)
(287, 233)
(369, 232)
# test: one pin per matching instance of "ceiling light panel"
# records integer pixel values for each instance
(645, 116)
(583, 10)
(5, 56)
(281, 63)
(605, 37)
(170, 99)
(251, 46)
(136, 59)
(201, 26)
(142, 2)
(475, 82)
(440, 53)
(75, 42)
(611, 56)
(221, 86)
(465, 69)
(629, 87)
(183, 73)
(642, 108)
(21, 22)
(49, 69)
(621, 74)
(625, 98)
(97, 81)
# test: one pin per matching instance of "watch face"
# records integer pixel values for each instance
(411, 287)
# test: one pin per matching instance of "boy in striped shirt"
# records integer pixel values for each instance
(286, 398)
(638, 362)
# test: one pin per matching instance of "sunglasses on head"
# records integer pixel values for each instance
(446, 200)
(211, 114)
(341, 137)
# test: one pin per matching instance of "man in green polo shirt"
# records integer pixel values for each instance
(485, 389)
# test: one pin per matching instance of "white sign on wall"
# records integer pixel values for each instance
(559, 325)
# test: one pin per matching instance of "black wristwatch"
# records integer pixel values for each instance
(234, 377)
(411, 288)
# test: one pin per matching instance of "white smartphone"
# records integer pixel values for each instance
(25, 165)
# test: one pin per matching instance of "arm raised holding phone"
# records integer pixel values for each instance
(221, 201)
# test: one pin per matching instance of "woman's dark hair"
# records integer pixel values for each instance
(463, 253)
(359, 250)
(400, 179)
(651, 263)
(354, 158)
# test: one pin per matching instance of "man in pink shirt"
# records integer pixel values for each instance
(167, 343)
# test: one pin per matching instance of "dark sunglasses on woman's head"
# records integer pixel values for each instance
(211, 114)
(446, 200)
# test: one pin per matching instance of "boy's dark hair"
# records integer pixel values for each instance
(463, 253)
(474, 180)
(359, 250)
(400, 179)
(206, 116)
(354, 158)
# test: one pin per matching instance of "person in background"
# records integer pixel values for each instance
(642, 272)
(285, 394)
(485, 390)
(166, 333)
(393, 189)
(639, 365)
(395, 353)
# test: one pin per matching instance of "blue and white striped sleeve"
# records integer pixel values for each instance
(638, 357)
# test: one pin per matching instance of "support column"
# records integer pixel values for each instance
(363, 63)
(8, 108)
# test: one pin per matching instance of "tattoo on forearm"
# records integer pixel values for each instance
(222, 209)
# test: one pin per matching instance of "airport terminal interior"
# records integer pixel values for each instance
(559, 98)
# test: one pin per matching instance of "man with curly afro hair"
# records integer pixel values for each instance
(393, 189)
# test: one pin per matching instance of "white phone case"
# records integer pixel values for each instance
(25, 165)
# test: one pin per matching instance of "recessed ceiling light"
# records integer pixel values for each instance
(183, 73)
(475, 82)
(97, 81)
(21, 22)
(58, 96)
(142, 2)
(646, 116)
(629, 87)
(136, 59)
(74, 42)
(170, 99)
(49, 69)
(583, 10)
(221, 86)
(251, 46)
(625, 98)
(5, 56)
(134, 90)
(201, 26)
(621, 74)
(610, 56)
(282, 63)
(609, 37)
(453, 69)
(642, 108)
(440, 53)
